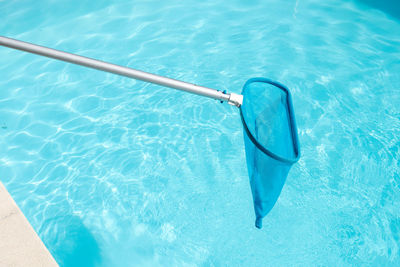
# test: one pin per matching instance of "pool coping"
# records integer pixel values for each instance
(19, 243)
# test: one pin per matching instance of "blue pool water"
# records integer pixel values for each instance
(115, 172)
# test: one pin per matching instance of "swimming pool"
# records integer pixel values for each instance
(113, 172)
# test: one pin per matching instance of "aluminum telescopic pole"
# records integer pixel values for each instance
(231, 98)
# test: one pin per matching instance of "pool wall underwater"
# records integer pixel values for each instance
(390, 7)
(111, 171)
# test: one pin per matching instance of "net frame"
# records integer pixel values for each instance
(292, 123)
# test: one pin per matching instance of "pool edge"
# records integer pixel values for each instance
(19, 243)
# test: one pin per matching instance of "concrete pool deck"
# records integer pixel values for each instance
(19, 243)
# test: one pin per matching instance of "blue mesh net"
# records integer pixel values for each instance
(270, 139)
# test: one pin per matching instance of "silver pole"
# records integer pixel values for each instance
(232, 98)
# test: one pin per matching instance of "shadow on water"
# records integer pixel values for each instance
(390, 7)
(70, 241)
